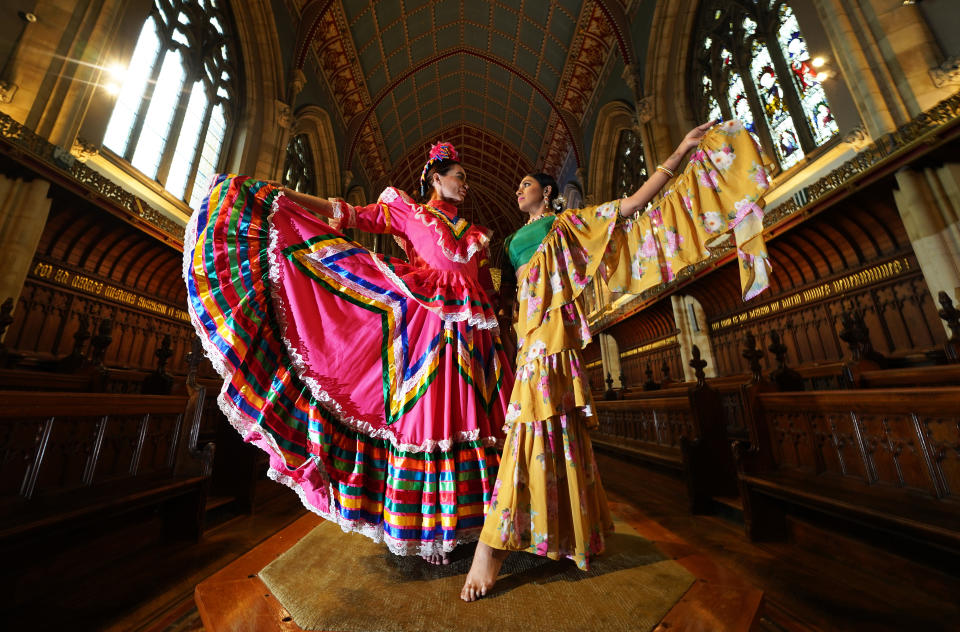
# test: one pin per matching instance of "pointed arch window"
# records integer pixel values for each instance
(298, 171)
(630, 167)
(174, 105)
(751, 62)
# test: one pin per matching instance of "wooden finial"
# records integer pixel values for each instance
(193, 361)
(752, 355)
(947, 312)
(698, 364)
(100, 342)
(950, 314)
(650, 384)
(778, 349)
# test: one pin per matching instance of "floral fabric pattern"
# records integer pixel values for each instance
(548, 498)
(719, 192)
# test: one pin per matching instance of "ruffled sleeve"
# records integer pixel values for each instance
(387, 215)
(565, 262)
(719, 193)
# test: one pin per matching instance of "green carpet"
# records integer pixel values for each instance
(341, 582)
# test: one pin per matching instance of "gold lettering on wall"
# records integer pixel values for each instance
(866, 276)
(666, 342)
(85, 284)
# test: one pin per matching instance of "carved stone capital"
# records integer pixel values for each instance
(631, 74)
(581, 175)
(857, 138)
(83, 150)
(284, 115)
(947, 73)
(645, 110)
(7, 90)
(296, 83)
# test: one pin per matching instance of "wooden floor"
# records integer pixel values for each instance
(125, 582)
(817, 581)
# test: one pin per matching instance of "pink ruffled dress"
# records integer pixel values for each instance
(378, 387)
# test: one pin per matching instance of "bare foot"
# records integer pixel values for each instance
(483, 571)
(437, 559)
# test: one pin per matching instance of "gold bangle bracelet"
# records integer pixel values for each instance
(665, 170)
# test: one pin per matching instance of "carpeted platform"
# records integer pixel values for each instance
(341, 582)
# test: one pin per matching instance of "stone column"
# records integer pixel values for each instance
(610, 356)
(24, 207)
(929, 203)
(693, 331)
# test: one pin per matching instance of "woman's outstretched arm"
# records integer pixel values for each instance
(316, 205)
(657, 179)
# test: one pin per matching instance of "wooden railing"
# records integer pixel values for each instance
(72, 458)
(888, 459)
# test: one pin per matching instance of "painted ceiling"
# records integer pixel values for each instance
(507, 82)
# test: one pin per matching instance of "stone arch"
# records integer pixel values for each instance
(263, 126)
(314, 121)
(612, 118)
(665, 78)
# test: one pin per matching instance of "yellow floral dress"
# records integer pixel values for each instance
(548, 498)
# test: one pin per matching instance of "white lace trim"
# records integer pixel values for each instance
(376, 532)
(443, 232)
(242, 424)
(337, 212)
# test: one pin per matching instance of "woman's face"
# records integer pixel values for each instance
(451, 186)
(530, 195)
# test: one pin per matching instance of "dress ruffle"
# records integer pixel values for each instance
(719, 193)
(549, 499)
(419, 485)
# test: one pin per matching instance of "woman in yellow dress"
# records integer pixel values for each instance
(548, 499)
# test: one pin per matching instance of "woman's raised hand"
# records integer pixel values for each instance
(694, 136)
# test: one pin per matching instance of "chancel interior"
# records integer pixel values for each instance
(799, 453)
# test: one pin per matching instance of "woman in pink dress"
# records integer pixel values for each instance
(377, 387)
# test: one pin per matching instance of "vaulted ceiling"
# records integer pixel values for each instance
(507, 82)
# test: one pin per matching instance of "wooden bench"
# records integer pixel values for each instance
(681, 429)
(69, 460)
(91, 381)
(936, 375)
(886, 459)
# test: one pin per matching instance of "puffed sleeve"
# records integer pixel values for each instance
(387, 215)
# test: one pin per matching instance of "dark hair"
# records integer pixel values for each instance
(545, 181)
(442, 167)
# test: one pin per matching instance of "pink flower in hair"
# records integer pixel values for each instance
(443, 151)
(440, 151)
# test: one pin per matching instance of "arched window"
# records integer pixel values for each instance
(174, 105)
(751, 62)
(630, 168)
(298, 172)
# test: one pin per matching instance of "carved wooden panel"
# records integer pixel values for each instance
(47, 317)
(75, 441)
(903, 438)
(634, 365)
(942, 436)
(899, 312)
(654, 423)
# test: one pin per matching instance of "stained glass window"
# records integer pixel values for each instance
(172, 111)
(805, 77)
(298, 173)
(630, 168)
(752, 63)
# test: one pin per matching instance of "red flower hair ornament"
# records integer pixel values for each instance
(438, 152)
